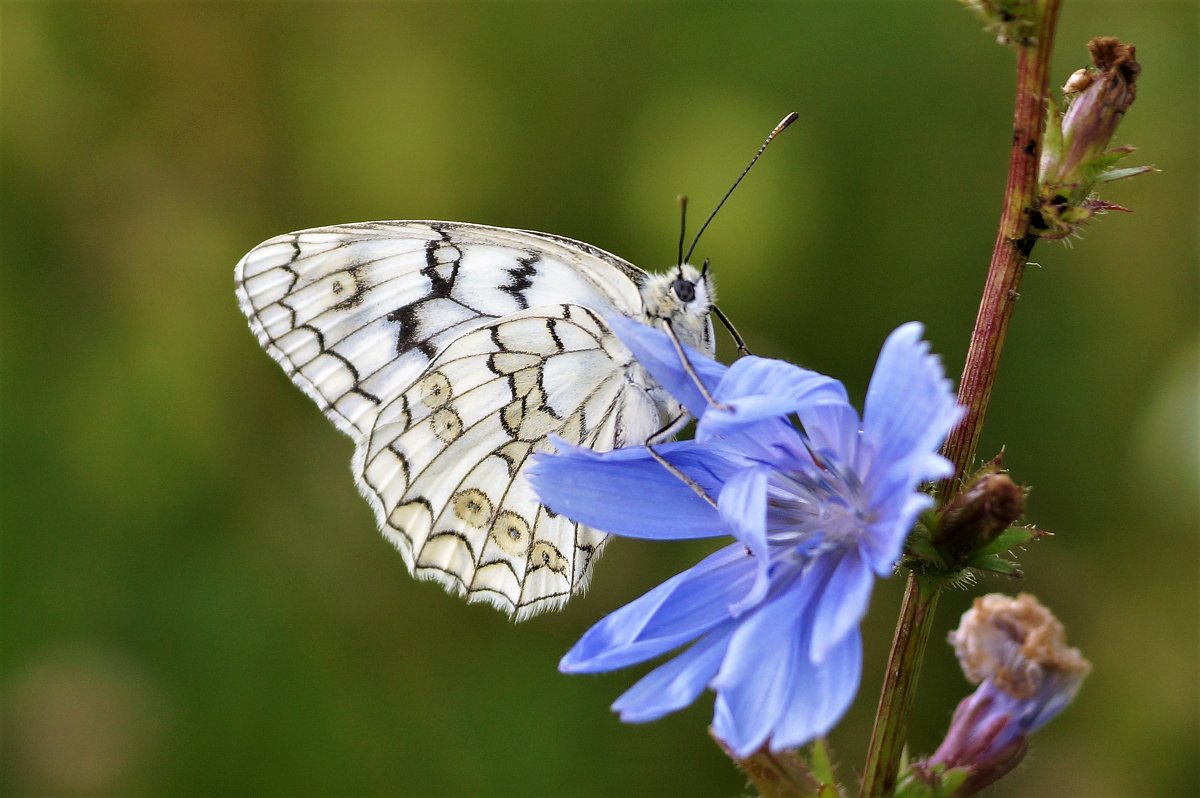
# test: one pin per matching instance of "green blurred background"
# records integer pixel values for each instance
(195, 599)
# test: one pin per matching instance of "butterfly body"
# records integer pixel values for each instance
(449, 352)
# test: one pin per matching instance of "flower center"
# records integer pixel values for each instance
(816, 507)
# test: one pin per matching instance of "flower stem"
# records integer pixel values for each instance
(899, 686)
(1014, 242)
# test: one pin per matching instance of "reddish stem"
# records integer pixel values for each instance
(1010, 253)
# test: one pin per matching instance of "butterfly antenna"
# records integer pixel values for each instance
(682, 200)
(787, 120)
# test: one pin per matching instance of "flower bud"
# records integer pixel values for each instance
(1016, 650)
(1075, 150)
(990, 504)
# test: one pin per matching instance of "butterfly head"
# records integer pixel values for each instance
(683, 297)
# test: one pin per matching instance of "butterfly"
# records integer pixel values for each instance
(449, 352)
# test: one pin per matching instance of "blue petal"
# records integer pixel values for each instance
(842, 602)
(743, 506)
(769, 440)
(757, 388)
(896, 504)
(756, 677)
(819, 694)
(833, 429)
(1055, 694)
(626, 492)
(778, 692)
(884, 540)
(677, 611)
(674, 685)
(892, 485)
(910, 407)
(654, 350)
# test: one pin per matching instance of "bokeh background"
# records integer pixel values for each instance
(195, 599)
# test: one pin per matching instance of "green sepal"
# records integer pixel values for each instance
(994, 563)
(922, 554)
(794, 773)
(821, 763)
(1105, 161)
(1052, 138)
(954, 778)
(1009, 539)
(1099, 169)
(930, 781)
(1078, 190)
(1121, 174)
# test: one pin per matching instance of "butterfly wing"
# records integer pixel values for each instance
(444, 467)
(448, 352)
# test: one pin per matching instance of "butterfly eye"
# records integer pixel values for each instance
(684, 289)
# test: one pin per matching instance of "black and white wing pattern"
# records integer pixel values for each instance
(449, 352)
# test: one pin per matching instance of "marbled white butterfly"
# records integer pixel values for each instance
(449, 352)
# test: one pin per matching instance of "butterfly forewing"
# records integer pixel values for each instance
(449, 352)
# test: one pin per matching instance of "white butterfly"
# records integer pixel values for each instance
(449, 352)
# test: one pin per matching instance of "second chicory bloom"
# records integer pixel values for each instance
(817, 512)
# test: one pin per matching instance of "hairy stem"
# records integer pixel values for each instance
(1014, 241)
(899, 686)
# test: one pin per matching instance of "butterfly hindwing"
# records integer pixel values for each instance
(444, 466)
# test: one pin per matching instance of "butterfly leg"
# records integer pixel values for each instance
(689, 370)
(733, 333)
(662, 436)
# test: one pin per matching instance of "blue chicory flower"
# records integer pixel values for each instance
(817, 512)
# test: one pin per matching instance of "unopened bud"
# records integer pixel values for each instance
(976, 516)
(1075, 151)
(1091, 120)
